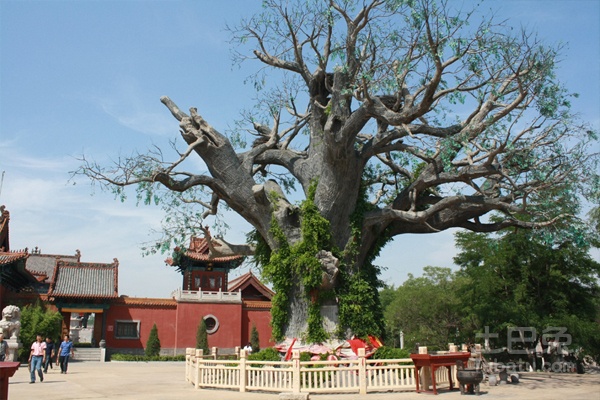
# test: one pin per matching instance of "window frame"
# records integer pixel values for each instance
(130, 322)
(215, 328)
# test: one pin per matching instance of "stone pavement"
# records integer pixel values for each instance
(165, 381)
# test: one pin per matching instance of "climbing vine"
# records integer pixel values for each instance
(358, 298)
(298, 263)
(359, 306)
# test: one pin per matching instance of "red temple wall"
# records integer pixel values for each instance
(164, 318)
(262, 320)
(177, 327)
(229, 316)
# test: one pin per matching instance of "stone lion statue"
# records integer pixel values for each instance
(10, 325)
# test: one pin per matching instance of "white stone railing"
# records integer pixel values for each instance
(199, 296)
(340, 376)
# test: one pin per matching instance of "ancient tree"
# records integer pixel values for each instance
(387, 118)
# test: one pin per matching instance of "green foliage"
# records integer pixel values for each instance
(427, 309)
(262, 252)
(36, 319)
(279, 271)
(520, 278)
(360, 310)
(268, 354)
(298, 264)
(153, 343)
(254, 339)
(144, 358)
(390, 353)
(202, 337)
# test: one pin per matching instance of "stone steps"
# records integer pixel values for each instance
(87, 354)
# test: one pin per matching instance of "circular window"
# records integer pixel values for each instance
(212, 324)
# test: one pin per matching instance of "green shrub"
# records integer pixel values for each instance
(141, 358)
(202, 337)
(153, 343)
(268, 354)
(390, 353)
(37, 319)
(254, 339)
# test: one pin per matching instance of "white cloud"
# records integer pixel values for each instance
(127, 104)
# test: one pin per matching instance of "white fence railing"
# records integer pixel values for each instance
(340, 376)
(200, 296)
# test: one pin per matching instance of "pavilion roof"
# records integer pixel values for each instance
(256, 305)
(84, 280)
(246, 281)
(200, 251)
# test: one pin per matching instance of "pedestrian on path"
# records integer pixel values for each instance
(37, 357)
(65, 350)
(3, 347)
(49, 354)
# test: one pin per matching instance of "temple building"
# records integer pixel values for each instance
(86, 294)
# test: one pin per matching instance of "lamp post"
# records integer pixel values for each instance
(401, 339)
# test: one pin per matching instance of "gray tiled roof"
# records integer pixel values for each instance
(9, 258)
(44, 263)
(84, 280)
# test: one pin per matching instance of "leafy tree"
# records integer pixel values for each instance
(388, 117)
(520, 278)
(36, 319)
(254, 339)
(202, 337)
(426, 309)
(153, 343)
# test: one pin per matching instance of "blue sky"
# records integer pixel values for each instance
(85, 77)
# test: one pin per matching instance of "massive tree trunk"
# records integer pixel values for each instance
(380, 143)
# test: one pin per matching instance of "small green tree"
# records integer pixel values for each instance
(153, 343)
(436, 321)
(254, 339)
(36, 319)
(202, 337)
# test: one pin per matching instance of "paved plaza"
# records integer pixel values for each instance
(165, 381)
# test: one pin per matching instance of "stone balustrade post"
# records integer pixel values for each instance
(214, 353)
(189, 353)
(242, 366)
(362, 372)
(296, 371)
(199, 360)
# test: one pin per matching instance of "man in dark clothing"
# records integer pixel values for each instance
(3, 348)
(49, 354)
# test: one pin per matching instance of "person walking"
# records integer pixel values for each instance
(50, 353)
(37, 357)
(65, 350)
(3, 347)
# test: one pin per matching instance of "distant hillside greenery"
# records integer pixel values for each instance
(535, 279)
